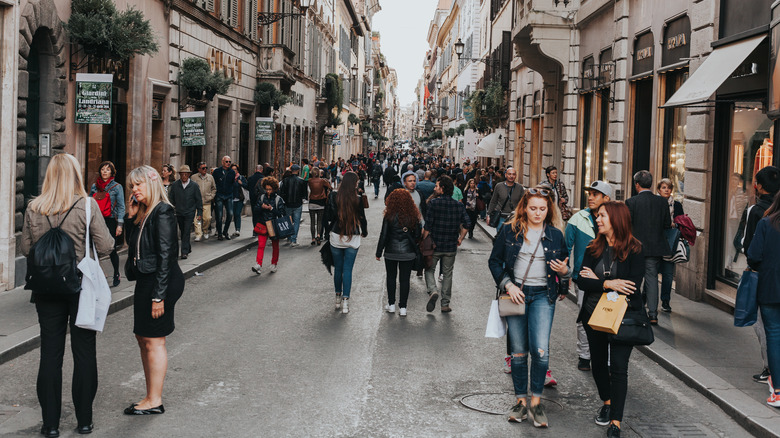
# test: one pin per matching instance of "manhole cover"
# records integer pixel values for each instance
(655, 430)
(499, 403)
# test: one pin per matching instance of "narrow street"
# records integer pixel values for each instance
(268, 356)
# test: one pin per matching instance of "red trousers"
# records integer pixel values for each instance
(261, 241)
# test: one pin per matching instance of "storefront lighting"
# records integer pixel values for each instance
(354, 70)
(438, 85)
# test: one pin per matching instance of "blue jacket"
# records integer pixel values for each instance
(580, 231)
(117, 200)
(224, 180)
(506, 247)
(764, 256)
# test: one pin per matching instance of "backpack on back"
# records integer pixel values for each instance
(52, 265)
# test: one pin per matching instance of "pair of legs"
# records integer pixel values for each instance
(54, 317)
(154, 356)
(770, 313)
(609, 365)
(652, 264)
(238, 208)
(758, 327)
(295, 213)
(205, 221)
(185, 227)
(112, 223)
(219, 204)
(376, 187)
(583, 349)
(530, 333)
(262, 239)
(402, 270)
(448, 262)
(317, 226)
(473, 218)
(343, 261)
(667, 270)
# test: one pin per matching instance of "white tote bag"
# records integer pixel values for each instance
(496, 326)
(95, 297)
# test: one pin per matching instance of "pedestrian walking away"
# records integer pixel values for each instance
(62, 204)
(319, 189)
(240, 197)
(294, 190)
(184, 195)
(159, 280)
(447, 223)
(529, 261)
(398, 241)
(580, 232)
(208, 191)
(224, 179)
(269, 207)
(111, 199)
(614, 261)
(345, 224)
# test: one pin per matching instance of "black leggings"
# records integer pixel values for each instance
(393, 267)
(473, 214)
(317, 226)
(611, 380)
(112, 223)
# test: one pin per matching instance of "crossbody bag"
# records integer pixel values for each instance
(506, 307)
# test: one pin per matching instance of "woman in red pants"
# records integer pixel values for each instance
(270, 206)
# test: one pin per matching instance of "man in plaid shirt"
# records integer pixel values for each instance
(447, 223)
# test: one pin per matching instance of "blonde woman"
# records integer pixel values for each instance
(152, 262)
(62, 204)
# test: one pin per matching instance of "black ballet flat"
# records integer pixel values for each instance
(50, 432)
(151, 411)
(85, 430)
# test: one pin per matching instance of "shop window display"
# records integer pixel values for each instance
(751, 150)
(675, 120)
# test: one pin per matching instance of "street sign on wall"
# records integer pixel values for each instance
(501, 143)
(193, 128)
(264, 128)
(93, 98)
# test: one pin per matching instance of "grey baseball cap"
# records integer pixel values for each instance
(601, 186)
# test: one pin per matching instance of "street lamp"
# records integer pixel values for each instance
(459, 46)
(354, 71)
(438, 85)
(266, 18)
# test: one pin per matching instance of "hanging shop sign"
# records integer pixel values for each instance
(677, 37)
(93, 98)
(606, 68)
(193, 128)
(643, 54)
(587, 74)
(264, 128)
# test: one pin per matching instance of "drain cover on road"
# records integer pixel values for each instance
(499, 403)
(656, 430)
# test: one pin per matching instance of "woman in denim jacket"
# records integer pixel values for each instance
(105, 184)
(529, 242)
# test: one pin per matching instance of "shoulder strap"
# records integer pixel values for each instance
(66, 215)
(508, 197)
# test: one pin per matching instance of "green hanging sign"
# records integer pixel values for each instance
(93, 98)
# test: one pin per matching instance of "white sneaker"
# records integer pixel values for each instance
(345, 305)
(390, 308)
(338, 301)
(402, 312)
(206, 236)
(236, 234)
(294, 244)
(441, 278)
(273, 268)
(507, 367)
(197, 238)
(257, 269)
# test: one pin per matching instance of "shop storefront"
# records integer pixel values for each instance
(642, 102)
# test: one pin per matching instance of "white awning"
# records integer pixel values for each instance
(713, 72)
(487, 146)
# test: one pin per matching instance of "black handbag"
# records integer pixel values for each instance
(419, 261)
(635, 329)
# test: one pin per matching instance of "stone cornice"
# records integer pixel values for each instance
(213, 23)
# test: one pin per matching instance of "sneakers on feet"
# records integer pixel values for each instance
(773, 400)
(441, 278)
(257, 269)
(197, 238)
(226, 236)
(219, 237)
(273, 268)
(583, 364)
(338, 301)
(206, 236)
(771, 387)
(538, 416)
(446, 309)
(345, 305)
(390, 308)
(402, 311)
(602, 419)
(613, 431)
(762, 376)
(666, 307)
(549, 382)
(518, 413)
(432, 302)
(236, 234)
(294, 245)
(507, 367)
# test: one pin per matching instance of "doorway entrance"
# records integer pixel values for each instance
(643, 105)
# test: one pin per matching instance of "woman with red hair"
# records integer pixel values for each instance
(613, 262)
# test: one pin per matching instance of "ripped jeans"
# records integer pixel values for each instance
(531, 333)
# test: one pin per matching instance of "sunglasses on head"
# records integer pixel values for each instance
(543, 192)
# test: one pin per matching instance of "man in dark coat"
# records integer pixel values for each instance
(185, 197)
(650, 218)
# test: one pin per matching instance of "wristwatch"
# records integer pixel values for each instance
(157, 300)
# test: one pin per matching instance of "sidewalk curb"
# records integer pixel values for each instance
(30, 338)
(730, 399)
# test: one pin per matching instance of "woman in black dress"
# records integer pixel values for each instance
(152, 261)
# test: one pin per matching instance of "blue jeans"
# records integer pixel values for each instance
(531, 333)
(343, 261)
(295, 213)
(501, 221)
(652, 265)
(376, 187)
(238, 208)
(219, 204)
(667, 277)
(770, 314)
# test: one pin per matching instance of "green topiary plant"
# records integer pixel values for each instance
(450, 132)
(334, 99)
(196, 76)
(267, 96)
(460, 130)
(492, 98)
(353, 119)
(104, 32)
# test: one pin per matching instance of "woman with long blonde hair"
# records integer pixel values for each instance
(62, 204)
(533, 273)
(152, 261)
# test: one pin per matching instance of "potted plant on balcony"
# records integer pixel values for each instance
(267, 96)
(196, 76)
(334, 99)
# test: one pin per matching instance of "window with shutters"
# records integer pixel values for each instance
(354, 42)
(250, 19)
(345, 54)
(346, 83)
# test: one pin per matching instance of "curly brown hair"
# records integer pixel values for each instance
(270, 181)
(400, 204)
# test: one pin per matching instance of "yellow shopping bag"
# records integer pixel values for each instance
(609, 313)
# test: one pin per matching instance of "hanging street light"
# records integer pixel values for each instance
(266, 18)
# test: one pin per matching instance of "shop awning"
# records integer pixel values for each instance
(488, 146)
(713, 72)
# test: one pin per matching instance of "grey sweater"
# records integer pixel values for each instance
(501, 193)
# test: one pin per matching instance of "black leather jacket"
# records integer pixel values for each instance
(395, 242)
(158, 249)
(294, 190)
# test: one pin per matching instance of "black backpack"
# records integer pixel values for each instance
(51, 265)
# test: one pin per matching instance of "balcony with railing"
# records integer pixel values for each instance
(542, 32)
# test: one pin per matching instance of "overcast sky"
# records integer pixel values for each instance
(403, 25)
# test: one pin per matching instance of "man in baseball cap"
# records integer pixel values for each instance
(580, 231)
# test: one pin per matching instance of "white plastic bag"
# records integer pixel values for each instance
(95, 297)
(496, 326)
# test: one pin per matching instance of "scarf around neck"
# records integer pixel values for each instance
(101, 185)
